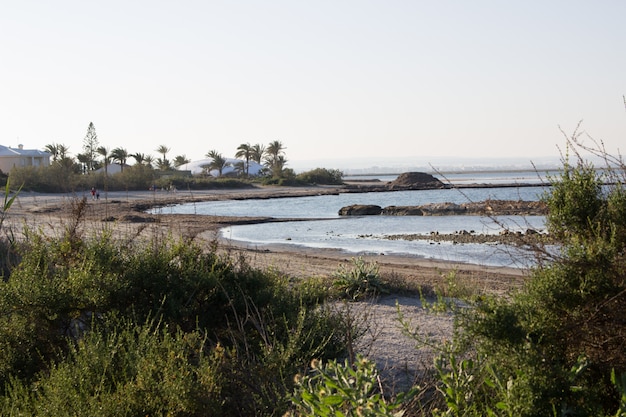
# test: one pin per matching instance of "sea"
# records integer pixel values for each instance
(313, 222)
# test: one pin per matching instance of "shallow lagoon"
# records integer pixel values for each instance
(366, 235)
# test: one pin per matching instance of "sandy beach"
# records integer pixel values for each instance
(399, 359)
(124, 213)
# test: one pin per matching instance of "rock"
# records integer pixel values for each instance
(360, 210)
(483, 208)
(442, 209)
(415, 181)
(133, 218)
(402, 211)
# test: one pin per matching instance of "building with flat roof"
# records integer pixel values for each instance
(19, 157)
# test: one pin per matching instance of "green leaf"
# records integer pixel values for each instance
(501, 405)
(332, 400)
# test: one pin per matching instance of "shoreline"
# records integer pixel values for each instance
(124, 213)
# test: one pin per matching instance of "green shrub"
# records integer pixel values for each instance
(563, 334)
(120, 368)
(360, 280)
(333, 389)
(322, 176)
(67, 288)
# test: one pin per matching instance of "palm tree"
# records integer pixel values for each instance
(63, 151)
(181, 160)
(274, 157)
(240, 167)
(138, 157)
(60, 155)
(245, 151)
(53, 149)
(106, 157)
(120, 155)
(219, 162)
(163, 163)
(84, 160)
(256, 153)
(148, 160)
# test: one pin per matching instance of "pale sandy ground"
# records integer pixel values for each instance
(396, 354)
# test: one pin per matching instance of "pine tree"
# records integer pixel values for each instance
(90, 146)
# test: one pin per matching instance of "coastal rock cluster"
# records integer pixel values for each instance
(530, 237)
(482, 208)
(404, 182)
(415, 181)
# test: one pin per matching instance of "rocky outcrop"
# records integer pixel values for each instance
(415, 181)
(360, 210)
(402, 211)
(483, 208)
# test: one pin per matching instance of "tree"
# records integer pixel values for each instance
(245, 151)
(162, 163)
(106, 157)
(274, 157)
(181, 160)
(90, 146)
(83, 160)
(59, 154)
(53, 149)
(139, 158)
(218, 161)
(148, 160)
(240, 168)
(256, 153)
(120, 155)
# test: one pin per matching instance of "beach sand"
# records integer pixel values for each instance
(400, 360)
(124, 213)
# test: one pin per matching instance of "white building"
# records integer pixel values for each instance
(198, 167)
(19, 157)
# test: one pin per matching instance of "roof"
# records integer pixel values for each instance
(8, 151)
(196, 167)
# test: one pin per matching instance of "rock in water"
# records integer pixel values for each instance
(360, 210)
(415, 181)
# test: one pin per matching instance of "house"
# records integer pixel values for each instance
(198, 167)
(19, 157)
(113, 168)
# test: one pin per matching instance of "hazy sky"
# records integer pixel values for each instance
(345, 79)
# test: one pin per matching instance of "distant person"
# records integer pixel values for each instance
(97, 195)
(93, 193)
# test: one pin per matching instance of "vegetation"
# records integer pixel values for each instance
(333, 389)
(92, 169)
(165, 327)
(558, 346)
(97, 326)
(361, 280)
(322, 176)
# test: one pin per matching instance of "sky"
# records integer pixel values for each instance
(336, 82)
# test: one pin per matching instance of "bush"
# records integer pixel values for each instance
(560, 338)
(321, 176)
(333, 389)
(57, 305)
(359, 281)
(120, 368)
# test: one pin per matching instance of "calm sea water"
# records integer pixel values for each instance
(367, 234)
(476, 177)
